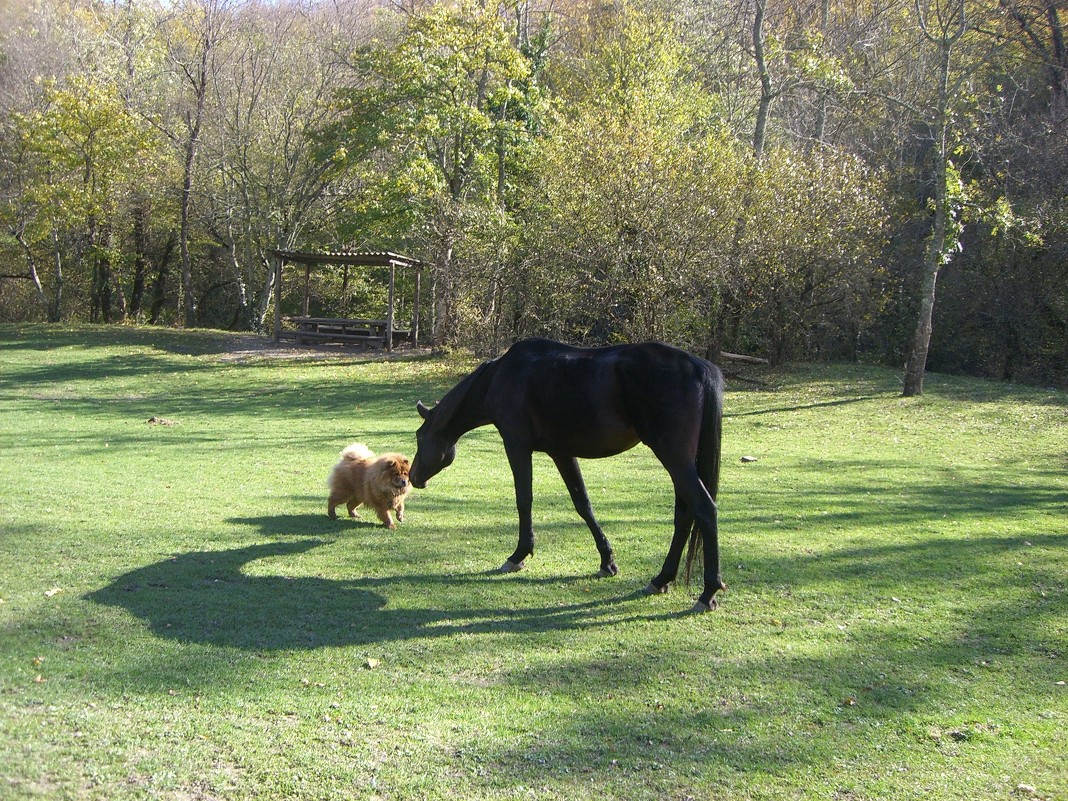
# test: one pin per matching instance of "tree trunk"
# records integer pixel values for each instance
(159, 286)
(243, 313)
(97, 284)
(194, 122)
(916, 365)
(941, 243)
(189, 300)
(32, 274)
(720, 304)
(443, 299)
(1058, 69)
(57, 271)
(766, 94)
(714, 346)
(140, 243)
(265, 304)
(115, 293)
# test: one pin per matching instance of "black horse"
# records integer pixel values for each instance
(593, 402)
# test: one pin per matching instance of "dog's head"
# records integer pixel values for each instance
(395, 470)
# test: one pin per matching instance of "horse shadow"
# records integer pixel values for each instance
(207, 598)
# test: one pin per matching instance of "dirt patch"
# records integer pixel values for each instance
(251, 347)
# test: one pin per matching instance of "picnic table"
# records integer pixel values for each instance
(370, 333)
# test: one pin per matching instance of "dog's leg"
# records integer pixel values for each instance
(386, 517)
(352, 504)
(400, 512)
(334, 501)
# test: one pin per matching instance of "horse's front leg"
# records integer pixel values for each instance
(572, 475)
(519, 458)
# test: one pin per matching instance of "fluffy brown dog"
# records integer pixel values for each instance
(360, 477)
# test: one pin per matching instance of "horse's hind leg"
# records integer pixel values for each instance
(709, 526)
(569, 471)
(693, 504)
(706, 516)
(683, 527)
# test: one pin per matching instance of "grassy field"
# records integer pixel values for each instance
(180, 620)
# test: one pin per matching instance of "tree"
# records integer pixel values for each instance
(81, 152)
(807, 278)
(1042, 33)
(632, 194)
(273, 182)
(943, 24)
(436, 96)
(197, 34)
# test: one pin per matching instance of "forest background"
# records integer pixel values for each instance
(796, 180)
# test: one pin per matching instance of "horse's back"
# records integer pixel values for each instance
(599, 401)
(640, 368)
(665, 387)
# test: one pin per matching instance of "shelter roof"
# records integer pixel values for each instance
(365, 259)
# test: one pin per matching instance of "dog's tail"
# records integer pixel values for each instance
(357, 452)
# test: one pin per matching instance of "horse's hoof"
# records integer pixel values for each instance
(652, 589)
(511, 567)
(701, 606)
(608, 572)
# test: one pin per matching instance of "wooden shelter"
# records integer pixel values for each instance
(371, 332)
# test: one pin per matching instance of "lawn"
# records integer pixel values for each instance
(180, 620)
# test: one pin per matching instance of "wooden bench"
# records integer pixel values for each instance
(340, 329)
(304, 337)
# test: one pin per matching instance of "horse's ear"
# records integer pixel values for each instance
(423, 410)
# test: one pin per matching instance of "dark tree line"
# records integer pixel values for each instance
(879, 181)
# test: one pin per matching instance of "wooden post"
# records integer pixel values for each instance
(389, 311)
(307, 287)
(345, 287)
(277, 298)
(415, 308)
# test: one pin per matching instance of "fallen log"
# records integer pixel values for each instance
(739, 357)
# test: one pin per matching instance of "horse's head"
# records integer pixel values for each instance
(434, 452)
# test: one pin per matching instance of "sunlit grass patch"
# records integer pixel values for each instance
(181, 620)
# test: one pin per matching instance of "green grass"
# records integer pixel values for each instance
(180, 620)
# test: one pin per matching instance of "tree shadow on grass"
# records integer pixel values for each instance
(894, 494)
(141, 384)
(889, 670)
(206, 597)
(283, 391)
(902, 672)
(803, 406)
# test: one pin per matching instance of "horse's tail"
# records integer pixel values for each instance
(708, 452)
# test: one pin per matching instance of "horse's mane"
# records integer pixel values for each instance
(445, 410)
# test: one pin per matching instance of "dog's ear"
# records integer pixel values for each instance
(423, 410)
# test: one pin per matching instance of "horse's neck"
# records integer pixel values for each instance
(467, 406)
